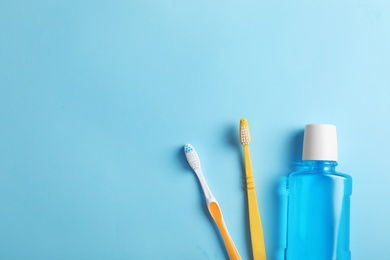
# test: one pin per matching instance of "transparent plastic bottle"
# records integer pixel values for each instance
(318, 201)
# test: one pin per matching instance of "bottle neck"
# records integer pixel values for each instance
(319, 166)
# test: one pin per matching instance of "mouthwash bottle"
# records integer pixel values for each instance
(318, 201)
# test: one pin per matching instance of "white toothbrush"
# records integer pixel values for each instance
(212, 204)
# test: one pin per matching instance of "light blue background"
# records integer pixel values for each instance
(97, 99)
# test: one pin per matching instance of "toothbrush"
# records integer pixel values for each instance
(256, 230)
(212, 204)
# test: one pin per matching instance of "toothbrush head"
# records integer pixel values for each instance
(245, 137)
(192, 157)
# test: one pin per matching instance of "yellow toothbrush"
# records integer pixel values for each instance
(212, 204)
(257, 238)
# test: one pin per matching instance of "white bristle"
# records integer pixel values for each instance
(192, 157)
(245, 136)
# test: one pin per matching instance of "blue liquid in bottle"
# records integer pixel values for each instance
(318, 206)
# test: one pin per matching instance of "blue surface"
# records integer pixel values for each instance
(98, 98)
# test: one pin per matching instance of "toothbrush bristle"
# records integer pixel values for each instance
(245, 137)
(192, 157)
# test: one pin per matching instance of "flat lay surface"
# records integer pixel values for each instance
(98, 99)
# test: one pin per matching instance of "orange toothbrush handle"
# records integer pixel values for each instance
(216, 213)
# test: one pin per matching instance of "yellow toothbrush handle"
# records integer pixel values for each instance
(257, 237)
(216, 213)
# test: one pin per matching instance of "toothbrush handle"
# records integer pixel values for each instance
(216, 213)
(256, 230)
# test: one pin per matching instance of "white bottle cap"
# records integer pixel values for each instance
(320, 142)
